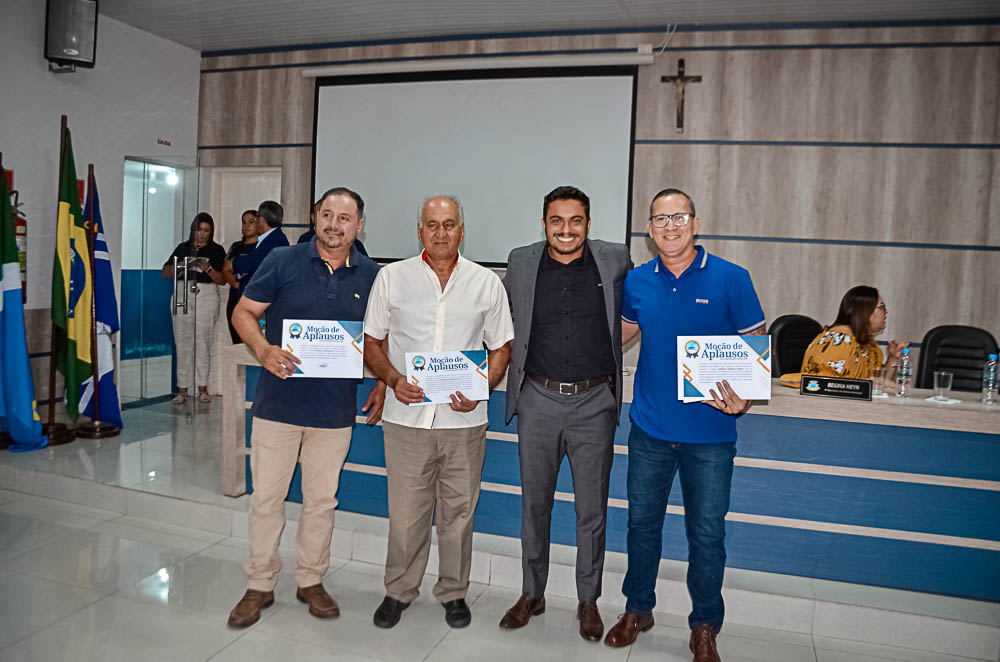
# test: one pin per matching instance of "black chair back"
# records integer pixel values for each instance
(790, 335)
(960, 350)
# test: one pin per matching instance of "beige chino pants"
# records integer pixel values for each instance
(186, 335)
(274, 450)
(428, 471)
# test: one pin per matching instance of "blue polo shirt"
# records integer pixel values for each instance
(712, 297)
(297, 283)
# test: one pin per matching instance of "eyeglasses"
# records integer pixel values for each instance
(663, 220)
(882, 307)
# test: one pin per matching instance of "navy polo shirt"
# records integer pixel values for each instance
(297, 283)
(712, 297)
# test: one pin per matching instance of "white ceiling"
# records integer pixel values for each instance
(210, 25)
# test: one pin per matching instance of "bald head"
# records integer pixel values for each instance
(441, 227)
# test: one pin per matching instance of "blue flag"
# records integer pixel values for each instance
(18, 409)
(106, 313)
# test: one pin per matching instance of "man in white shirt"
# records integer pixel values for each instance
(436, 301)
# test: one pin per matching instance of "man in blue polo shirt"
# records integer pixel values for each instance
(682, 291)
(301, 420)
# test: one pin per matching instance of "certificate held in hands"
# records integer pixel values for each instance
(326, 348)
(440, 374)
(743, 361)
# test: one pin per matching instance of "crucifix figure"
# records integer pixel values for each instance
(680, 81)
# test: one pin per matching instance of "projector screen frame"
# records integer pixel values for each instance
(618, 70)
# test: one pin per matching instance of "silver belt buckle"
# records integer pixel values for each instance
(571, 391)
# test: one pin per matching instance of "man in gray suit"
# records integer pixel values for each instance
(564, 384)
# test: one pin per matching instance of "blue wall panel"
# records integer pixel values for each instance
(146, 327)
(958, 569)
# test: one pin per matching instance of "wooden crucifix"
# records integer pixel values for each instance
(680, 81)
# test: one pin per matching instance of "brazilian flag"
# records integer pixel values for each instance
(72, 286)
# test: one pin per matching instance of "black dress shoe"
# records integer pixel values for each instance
(456, 613)
(389, 612)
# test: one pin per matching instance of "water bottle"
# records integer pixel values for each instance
(990, 381)
(904, 373)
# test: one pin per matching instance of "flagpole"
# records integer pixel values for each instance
(96, 429)
(58, 433)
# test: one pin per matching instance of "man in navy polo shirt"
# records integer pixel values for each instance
(301, 420)
(682, 291)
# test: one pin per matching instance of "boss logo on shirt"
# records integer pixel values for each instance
(701, 301)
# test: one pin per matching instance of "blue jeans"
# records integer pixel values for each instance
(706, 472)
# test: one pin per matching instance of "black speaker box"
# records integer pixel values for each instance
(71, 32)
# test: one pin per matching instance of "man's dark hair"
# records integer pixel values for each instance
(672, 191)
(566, 193)
(271, 212)
(343, 190)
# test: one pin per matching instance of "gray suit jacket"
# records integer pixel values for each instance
(613, 263)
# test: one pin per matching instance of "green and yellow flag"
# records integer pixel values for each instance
(72, 286)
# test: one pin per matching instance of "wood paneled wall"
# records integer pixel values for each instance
(818, 159)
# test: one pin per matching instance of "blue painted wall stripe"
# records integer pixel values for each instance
(842, 242)
(959, 526)
(907, 565)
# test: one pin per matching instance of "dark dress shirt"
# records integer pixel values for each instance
(570, 340)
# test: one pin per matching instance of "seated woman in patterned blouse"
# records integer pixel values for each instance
(847, 348)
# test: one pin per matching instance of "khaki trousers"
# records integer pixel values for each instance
(428, 470)
(274, 449)
(189, 332)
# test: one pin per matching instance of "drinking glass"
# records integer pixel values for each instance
(878, 383)
(942, 385)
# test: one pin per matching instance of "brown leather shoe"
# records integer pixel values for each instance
(247, 610)
(703, 644)
(628, 628)
(591, 625)
(321, 605)
(525, 607)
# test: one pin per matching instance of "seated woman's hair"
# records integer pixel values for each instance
(856, 309)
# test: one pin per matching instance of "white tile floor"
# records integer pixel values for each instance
(160, 451)
(87, 584)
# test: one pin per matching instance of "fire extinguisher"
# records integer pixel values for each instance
(21, 235)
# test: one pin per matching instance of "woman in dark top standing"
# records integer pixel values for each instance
(187, 329)
(241, 247)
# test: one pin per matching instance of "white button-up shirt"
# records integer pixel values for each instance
(408, 304)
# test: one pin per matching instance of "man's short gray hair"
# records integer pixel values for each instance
(453, 198)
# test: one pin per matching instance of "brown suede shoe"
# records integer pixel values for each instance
(591, 625)
(525, 607)
(703, 644)
(628, 628)
(247, 610)
(321, 605)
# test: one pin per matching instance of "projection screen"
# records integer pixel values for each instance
(497, 141)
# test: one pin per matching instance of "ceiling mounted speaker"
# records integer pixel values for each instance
(71, 33)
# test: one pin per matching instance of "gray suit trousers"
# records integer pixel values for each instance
(582, 427)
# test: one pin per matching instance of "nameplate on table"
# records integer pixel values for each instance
(326, 348)
(441, 374)
(836, 387)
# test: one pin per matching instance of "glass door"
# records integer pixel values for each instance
(159, 200)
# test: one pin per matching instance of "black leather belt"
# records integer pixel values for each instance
(570, 388)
